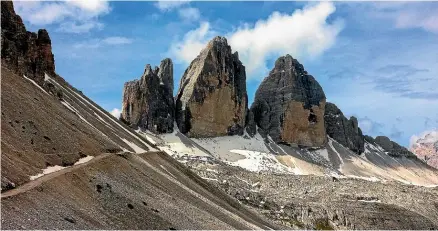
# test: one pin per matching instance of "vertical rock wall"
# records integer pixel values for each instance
(212, 99)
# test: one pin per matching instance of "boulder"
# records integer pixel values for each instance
(344, 131)
(25, 52)
(289, 105)
(212, 99)
(148, 103)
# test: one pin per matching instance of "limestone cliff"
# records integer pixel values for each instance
(148, 103)
(212, 99)
(289, 105)
(343, 130)
(26, 53)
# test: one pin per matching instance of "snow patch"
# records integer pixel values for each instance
(48, 170)
(220, 147)
(323, 153)
(258, 161)
(212, 179)
(337, 153)
(103, 121)
(165, 169)
(46, 77)
(84, 160)
(34, 83)
(370, 201)
(69, 107)
(145, 135)
(174, 146)
(136, 148)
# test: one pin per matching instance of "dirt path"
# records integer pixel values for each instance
(35, 183)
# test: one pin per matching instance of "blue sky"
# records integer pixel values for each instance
(377, 61)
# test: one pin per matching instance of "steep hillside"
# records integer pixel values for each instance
(207, 161)
(68, 164)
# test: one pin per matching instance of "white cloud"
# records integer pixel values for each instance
(303, 34)
(96, 6)
(415, 19)
(369, 126)
(96, 43)
(72, 16)
(193, 42)
(117, 40)
(116, 112)
(170, 5)
(78, 27)
(407, 15)
(366, 125)
(189, 14)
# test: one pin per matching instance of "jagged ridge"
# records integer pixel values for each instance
(148, 102)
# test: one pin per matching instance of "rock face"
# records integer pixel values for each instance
(345, 131)
(392, 148)
(426, 148)
(25, 52)
(212, 99)
(289, 105)
(148, 103)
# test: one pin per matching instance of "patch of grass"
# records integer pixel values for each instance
(323, 225)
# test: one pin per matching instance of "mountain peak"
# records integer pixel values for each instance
(148, 102)
(212, 99)
(426, 147)
(27, 53)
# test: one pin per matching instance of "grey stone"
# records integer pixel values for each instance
(343, 130)
(384, 142)
(392, 148)
(251, 127)
(148, 103)
(212, 99)
(26, 53)
(289, 105)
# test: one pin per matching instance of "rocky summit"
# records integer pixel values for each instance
(212, 99)
(345, 131)
(25, 52)
(67, 164)
(426, 147)
(289, 105)
(390, 147)
(148, 103)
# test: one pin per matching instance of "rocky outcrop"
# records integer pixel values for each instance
(26, 53)
(391, 148)
(212, 99)
(289, 105)
(426, 148)
(148, 103)
(345, 131)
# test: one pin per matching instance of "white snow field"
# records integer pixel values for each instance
(258, 154)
